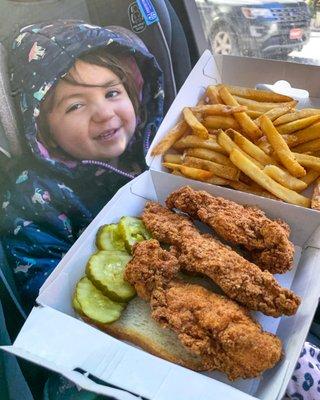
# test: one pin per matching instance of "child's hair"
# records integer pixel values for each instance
(111, 60)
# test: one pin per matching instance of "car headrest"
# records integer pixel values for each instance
(129, 35)
(9, 134)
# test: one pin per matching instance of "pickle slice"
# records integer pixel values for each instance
(106, 269)
(109, 238)
(132, 230)
(95, 305)
(76, 304)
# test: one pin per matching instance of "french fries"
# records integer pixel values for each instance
(224, 171)
(281, 148)
(253, 114)
(208, 155)
(249, 140)
(257, 175)
(305, 135)
(217, 109)
(311, 176)
(195, 141)
(196, 126)
(216, 180)
(228, 144)
(249, 127)
(258, 95)
(172, 136)
(189, 172)
(264, 145)
(284, 178)
(262, 106)
(308, 147)
(177, 132)
(237, 185)
(297, 125)
(217, 121)
(308, 161)
(274, 113)
(173, 158)
(251, 149)
(284, 119)
(212, 93)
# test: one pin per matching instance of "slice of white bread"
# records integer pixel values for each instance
(136, 326)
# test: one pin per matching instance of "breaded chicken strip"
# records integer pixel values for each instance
(238, 278)
(267, 240)
(207, 324)
(151, 267)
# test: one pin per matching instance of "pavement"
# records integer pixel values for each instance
(310, 53)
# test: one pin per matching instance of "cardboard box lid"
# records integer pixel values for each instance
(47, 330)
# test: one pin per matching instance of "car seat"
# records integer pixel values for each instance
(165, 39)
(9, 138)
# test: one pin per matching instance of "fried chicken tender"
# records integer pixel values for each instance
(240, 279)
(207, 324)
(267, 240)
(156, 268)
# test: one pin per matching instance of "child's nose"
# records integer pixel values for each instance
(102, 113)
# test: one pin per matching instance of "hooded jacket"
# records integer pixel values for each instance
(48, 202)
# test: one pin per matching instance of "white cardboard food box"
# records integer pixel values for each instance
(53, 336)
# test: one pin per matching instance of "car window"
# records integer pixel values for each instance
(283, 30)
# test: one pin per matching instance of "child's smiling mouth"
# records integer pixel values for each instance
(107, 135)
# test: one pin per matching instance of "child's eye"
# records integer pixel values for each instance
(73, 107)
(111, 93)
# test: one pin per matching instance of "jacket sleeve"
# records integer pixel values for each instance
(40, 222)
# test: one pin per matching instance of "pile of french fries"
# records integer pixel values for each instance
(250, 140)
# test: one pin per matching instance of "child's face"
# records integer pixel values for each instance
(92, 122)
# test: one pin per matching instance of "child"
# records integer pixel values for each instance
(90, 98)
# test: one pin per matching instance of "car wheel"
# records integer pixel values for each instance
(285, 54)
(282, 55)
(223, 40)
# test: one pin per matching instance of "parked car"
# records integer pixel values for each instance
(255, 28)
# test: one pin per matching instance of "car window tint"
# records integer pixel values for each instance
(286, 30)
